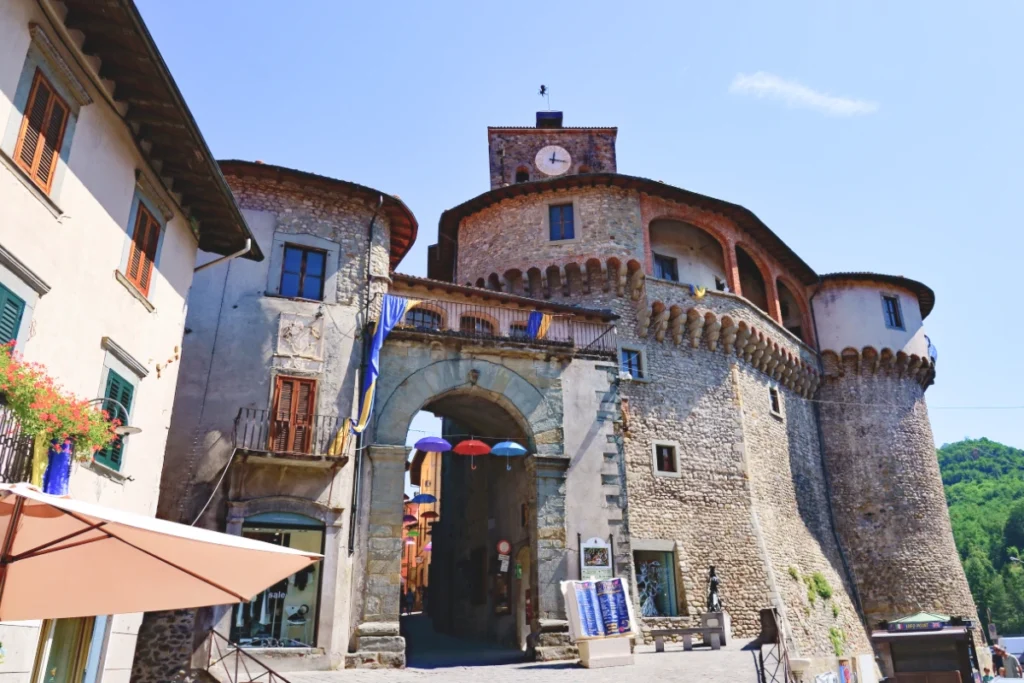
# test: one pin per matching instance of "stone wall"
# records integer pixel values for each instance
(591, 149)
(164, 649)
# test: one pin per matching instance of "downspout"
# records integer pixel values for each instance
(241, 252)
(855, 592)
(364, 361)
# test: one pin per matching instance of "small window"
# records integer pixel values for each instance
(656, 583)
(519, 331)
(478, 327)
(561, 222)
(423, 319)
(142, 254)
(118, 391)
(12, 307)
(665, 459)
(293, 415)
(774, 401)
(303, 273)
(42, 132)
(666, 268)
(631, 362)
(522, 175)
(893, 313)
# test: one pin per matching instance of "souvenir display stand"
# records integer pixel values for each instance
(601, 621)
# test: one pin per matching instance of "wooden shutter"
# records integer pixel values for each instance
(291, 430)
(42, 132)
(118, 389)
(11, 309)
(145, 238)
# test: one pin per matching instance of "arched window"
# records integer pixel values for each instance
(476, 326)
(751, 280)
(423, 319)
(519, 331)
(792, 313)
(681, 252)
(522, 174)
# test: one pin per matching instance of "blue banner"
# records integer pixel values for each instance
(391, 311)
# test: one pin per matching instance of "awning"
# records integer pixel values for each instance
(955, 632)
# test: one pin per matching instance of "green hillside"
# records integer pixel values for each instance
(984, 483)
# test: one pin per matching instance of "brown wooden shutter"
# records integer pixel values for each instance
(303, 421)
(291, 430)
(145, 239)
(42, 133)
(280, 430)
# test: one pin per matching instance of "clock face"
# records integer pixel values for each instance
(552, 160)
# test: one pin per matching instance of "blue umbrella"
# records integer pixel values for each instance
(423, 498)
(508, 449)
(433, 444)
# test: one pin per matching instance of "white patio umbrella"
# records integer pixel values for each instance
(63, 558)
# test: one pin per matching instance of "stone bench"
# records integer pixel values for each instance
(713, 636)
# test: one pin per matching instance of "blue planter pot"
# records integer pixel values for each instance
(58, 469)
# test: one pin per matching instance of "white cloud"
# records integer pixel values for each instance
(763, 84)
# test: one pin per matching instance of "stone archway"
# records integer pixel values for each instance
(413, 377)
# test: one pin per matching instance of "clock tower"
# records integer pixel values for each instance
(548, 150)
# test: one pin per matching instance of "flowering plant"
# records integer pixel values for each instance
(44, 409)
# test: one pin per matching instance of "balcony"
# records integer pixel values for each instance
(303, 443)
(569, 331)
(15, 450)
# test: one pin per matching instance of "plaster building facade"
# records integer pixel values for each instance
(700, 397)
(102, 214)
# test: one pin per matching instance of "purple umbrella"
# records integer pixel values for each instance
(433, 444)
(428, 547)
(409, 519)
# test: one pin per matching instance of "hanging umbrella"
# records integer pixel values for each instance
(509, 449)
(159, 565)
(429, 514)
(472, 448)
(409, 519)
(410, 541)
(429, 546)
(405, 497)
(421, 498)
(433, 444)
(413, 533)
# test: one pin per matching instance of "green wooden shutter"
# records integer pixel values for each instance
(119, 389)
(11, 309)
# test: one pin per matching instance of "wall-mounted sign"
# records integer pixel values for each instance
(504, 547)
(595, 560)
(917, 626)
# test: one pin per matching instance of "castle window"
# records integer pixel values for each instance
(423, 319)
(666, 268)
(893, 312)
(631, 362)
(477, 327)
(560, 222)
(665, 459)
(303, 273)
(522, 175)
(775, 401)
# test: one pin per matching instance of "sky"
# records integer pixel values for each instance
(870, 136)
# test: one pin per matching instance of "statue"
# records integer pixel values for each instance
(714, 601)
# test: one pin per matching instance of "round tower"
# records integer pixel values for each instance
(887, 497)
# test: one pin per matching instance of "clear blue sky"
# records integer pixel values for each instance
(881, 136)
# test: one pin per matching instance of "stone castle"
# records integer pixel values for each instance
(701, 398)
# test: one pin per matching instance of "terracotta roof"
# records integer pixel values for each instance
(157, 115)
(479, 292)
(925, 295)
(441, 260)
(403, 222)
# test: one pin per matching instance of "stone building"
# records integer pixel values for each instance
(699, 396)
(107, 194)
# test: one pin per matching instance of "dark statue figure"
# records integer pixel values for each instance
(714, 600)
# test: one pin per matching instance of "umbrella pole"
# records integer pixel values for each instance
(5, 552)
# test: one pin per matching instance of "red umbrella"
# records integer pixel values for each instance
(429, 515)
(472, 448)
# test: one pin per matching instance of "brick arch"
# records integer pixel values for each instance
(479, 315)
(801, 300)
(428, 306)
(771, 293)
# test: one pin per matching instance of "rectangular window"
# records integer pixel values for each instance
(41, 133)
(119, 390)
(63, 650)
(303, 273)
(665, 458)
(291, 428)
(666, 268)
(142, 255)
(632, 362)
(773, 398)
(560, 221)
(893, 313)
(656, 583)
(12, 307)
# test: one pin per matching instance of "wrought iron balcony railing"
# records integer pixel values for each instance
(309, 437)
(506, 324)
(15, 450)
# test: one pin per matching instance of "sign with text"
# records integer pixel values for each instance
(595, 560)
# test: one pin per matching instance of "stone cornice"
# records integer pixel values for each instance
(26, 274)
(41, 42)
(873, 362)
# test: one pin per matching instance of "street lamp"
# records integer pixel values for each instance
(123, 429)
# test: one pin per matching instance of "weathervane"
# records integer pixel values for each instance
(546, 94)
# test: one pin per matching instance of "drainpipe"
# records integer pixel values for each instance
(241, 252)
(854, 591)
(364, 361)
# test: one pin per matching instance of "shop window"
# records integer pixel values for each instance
(285, 614)
(631, 362)
(560, 222)
(666, 459)
(303, 273)
(666, 268)
(893, 312)
(656, 583)
(478, 327)
(423, 319)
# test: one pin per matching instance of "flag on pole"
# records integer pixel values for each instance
(392, 310)
(537, 325)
